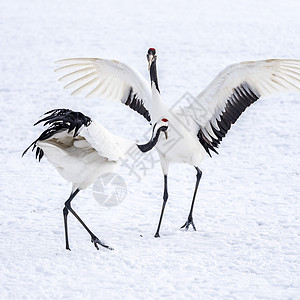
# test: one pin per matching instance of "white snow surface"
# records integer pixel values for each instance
(247, 213)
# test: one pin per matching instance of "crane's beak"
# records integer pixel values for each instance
(166, 134)
(150, 59)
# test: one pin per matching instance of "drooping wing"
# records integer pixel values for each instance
(103, 141)
(63, 123)
(69, 129)
(109, 79)
(234, 89)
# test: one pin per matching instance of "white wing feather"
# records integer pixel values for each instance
(265, 78)
(102, 78)
(234, 89)
(104, 142)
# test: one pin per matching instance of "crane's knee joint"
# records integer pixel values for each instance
(165, 197)
(199, 174)
(65, 211)
(67, 205)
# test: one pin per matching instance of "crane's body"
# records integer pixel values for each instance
(81, 150)
(78, 160)
(182, 145)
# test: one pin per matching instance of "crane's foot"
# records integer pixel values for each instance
(188, 223)
(97, 242)
(67, 245)
(156, 235)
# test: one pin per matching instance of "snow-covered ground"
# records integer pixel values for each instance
(248, 210)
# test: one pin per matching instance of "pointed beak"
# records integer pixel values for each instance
(150, 59)
(166, 134)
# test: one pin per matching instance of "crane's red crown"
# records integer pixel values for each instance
(152, 50)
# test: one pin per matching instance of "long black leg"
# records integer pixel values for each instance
(190, 217)
(67, 208)
(65, 213)
(165, 198)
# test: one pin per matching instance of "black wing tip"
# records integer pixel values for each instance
(39, 151)
(58, 120)
(137, 105)
(207, 145)
(25, 151)
(65, 116)
(33, 144)
(242, 97)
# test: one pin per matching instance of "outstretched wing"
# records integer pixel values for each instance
(236, 88)
(109, 79)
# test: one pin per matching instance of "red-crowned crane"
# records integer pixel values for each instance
(202, 125)
(81, 150)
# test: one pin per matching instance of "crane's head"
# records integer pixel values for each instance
(151, 57)
(159, 127)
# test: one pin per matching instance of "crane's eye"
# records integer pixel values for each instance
(164, 120)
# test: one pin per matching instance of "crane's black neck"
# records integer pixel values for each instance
(153, 75)
(147, 147)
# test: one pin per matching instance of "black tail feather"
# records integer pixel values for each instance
(59, 120)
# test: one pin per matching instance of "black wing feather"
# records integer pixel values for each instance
(241, 98)
(137, 105)
(59, 120)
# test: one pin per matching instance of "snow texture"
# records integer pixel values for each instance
(247, 211)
